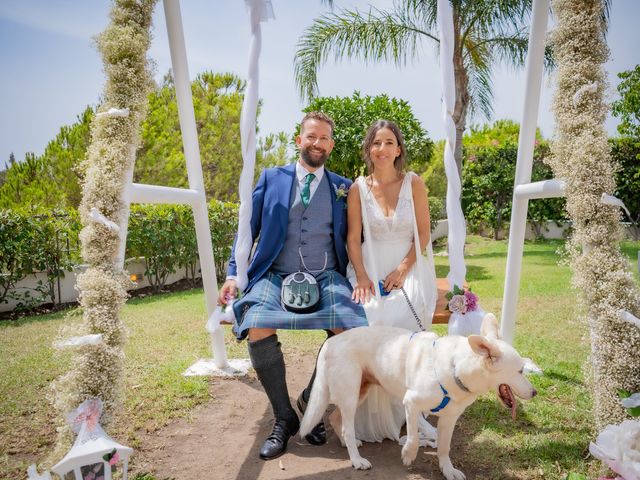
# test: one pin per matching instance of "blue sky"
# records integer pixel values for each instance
(50, 70)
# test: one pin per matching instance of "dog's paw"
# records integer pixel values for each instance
(409, 453)
(453, 474)
(360, 463)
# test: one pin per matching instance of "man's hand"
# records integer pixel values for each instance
(228, 291)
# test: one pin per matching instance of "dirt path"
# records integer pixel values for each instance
(222, 438)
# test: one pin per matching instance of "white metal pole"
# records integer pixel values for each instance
(535, 57)
(194, 168)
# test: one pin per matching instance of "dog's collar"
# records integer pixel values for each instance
(456, 378)
(445, 394)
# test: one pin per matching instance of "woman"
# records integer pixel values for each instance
(390, 276)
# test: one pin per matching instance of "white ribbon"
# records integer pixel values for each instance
(72, 342)
(114, 112)
(259, 11)
(607, 199)
(629, 318)
(97, 217)
(455, 217)
(590, 87)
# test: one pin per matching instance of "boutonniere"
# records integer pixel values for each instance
(341, 191)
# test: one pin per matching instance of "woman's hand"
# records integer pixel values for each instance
(396, 278)
(362, 289)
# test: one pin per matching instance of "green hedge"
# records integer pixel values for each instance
(164, 235)
(36, 241)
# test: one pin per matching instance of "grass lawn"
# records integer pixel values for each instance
(166, 335)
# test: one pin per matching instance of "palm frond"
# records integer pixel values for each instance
(478, 63)
(370, 37)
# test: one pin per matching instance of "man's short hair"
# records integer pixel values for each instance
(322, 117)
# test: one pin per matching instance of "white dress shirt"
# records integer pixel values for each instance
(302, 173)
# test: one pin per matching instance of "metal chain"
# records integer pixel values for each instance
(412, 309)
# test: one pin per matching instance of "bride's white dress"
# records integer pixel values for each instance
(387, 242)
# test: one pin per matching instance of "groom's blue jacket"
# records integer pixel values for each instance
(270, 218)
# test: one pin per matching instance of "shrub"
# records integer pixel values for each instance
(33, 242)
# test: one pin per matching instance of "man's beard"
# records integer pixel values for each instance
(311, 161)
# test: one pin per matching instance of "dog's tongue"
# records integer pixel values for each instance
(514, 404)
(506, 391)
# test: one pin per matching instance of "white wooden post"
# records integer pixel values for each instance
(535, 57)
(195, 194)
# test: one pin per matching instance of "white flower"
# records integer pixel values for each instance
(458, 304)
(619, 447)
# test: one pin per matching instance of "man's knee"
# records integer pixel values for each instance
(256, 334)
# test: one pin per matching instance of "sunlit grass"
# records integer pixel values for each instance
(166, 335)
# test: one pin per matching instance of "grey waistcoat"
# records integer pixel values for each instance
(310, 230)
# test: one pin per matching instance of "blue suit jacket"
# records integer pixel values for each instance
(270, 217)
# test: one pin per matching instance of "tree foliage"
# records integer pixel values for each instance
(626, 153)
(54, 178)
(486, 33)
(34, 240)
(627, 108)
(354, 115)
(490, 162)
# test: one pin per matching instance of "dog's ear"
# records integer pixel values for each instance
(489, 327)
(484, 347)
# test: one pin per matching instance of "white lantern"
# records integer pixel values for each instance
(94, 453)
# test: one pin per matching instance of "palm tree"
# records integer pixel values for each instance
(486, 33)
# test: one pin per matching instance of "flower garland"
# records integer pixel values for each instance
(582, 159)
(97, 368)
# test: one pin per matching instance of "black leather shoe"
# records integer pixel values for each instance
(318, 435)
(276, 443)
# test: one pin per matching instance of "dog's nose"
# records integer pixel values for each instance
(534, 392)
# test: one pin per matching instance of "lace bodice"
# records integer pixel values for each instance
(397, 227)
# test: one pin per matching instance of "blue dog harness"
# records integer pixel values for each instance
(445, 400)
(445, 395)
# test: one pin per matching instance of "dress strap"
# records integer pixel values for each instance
(362, 185)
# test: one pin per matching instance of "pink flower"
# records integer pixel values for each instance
(495, 142)
(458, 304)
(470, 301)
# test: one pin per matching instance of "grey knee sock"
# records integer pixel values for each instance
(268, 362)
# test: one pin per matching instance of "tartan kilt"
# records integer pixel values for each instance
(261, 307)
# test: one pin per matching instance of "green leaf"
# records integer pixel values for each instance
(576, 476)
(623, 393)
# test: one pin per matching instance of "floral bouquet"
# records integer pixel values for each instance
(462, 301)
(466, 314)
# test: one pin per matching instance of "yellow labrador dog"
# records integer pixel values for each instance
(431, 375)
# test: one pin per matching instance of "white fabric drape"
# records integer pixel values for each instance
(455, 217)
(259, 11)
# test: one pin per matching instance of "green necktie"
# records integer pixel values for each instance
(305, 194)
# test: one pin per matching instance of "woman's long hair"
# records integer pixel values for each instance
(400, 161)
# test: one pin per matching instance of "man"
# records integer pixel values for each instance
(299, 218)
